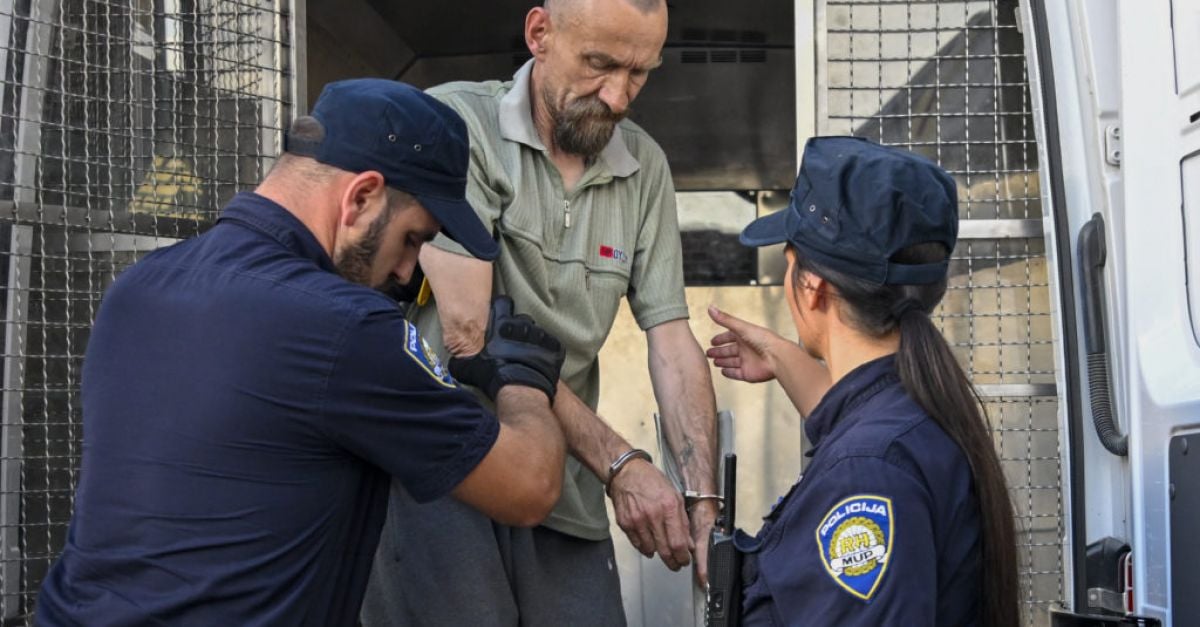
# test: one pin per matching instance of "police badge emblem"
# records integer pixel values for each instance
(855, 539)
(422, 353)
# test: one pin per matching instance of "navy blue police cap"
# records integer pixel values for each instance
(417, 143)
(856, 204)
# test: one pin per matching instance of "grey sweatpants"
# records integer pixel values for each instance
(445, 564)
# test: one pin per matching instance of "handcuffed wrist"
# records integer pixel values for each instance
(692, 498)
(621, 461)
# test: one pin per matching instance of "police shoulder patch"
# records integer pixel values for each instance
(855, 539)
(421, 352)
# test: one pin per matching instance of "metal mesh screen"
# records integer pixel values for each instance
(123, 126)
(947, 80)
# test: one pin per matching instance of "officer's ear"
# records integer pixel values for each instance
(364, 193)
(814, 293)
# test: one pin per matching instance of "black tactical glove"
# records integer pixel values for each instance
(516, 351)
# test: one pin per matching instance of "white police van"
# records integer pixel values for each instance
(1117, 93)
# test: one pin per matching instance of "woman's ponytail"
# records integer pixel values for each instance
(933, 378)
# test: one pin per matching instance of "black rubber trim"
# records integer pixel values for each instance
(1075, 426)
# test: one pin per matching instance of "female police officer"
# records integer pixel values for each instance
(902, 516)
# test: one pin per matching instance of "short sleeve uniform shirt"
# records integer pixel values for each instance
(244, 407)
(883, 528)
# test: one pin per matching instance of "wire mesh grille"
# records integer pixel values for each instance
(123, 126)
(947, 79)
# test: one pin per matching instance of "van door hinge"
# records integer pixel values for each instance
(1112, 145)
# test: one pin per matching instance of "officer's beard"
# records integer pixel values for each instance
(354, 262)
(584, 126)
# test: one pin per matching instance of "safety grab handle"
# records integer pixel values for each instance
(1092, 256)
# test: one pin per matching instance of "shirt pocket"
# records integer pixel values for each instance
(604, 287)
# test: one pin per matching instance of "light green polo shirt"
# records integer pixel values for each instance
(567, 257)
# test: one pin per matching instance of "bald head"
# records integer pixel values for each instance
(571, 7)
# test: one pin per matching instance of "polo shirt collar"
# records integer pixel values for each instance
(852, 390)
(264, 215)
(516, 124)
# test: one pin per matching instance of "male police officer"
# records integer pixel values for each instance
(244, 405)
(584, 208)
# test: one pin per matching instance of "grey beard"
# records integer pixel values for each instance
(584, 127)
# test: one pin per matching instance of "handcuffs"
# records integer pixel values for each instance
(690, 497)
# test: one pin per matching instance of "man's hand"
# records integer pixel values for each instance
(516, 351)
(702, 516)
(650, 511)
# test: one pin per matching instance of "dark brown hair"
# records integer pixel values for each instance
(935, 380)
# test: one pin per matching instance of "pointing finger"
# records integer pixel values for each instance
(726, 337)
(733, 323)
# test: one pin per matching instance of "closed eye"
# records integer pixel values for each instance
(600, 62)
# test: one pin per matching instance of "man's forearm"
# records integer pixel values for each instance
(524, 410)
(520, 479)
(683, 388)
(463, 289)
(688, 409)
(588, 436)
(690, 426)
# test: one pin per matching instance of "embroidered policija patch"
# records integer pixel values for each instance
(855, 538)
(423, 354)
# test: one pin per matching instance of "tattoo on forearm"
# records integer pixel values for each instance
(687, 453)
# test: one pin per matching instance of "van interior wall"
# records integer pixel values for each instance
(349, 39)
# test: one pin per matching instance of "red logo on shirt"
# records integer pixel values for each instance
(608, 252)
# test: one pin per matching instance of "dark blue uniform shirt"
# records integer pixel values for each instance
(882, 529)
(243, 409)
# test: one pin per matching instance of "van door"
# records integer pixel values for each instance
(1118, 95)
